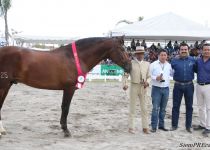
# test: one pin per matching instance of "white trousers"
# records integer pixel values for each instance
(137, 91)
(203, 100)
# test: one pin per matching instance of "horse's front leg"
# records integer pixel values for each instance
(67, 97)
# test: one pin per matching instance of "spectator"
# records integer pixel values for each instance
(159, 46)
(176, 46)
(129, 49)
(169, 47)
(144, 44)
(153, 47)
(191, 46)
(196, 45)
(201, 44)
(138, 43)
(133, 45)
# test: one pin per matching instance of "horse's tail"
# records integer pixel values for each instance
(9, 61)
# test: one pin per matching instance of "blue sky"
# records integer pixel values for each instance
(73, 18)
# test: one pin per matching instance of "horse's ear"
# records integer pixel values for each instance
(121, 39)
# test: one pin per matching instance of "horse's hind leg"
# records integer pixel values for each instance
(67, 96)
(3, 94)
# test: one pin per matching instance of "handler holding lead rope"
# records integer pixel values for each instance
(140, 79)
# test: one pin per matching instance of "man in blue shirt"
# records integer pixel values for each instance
(184, 68)
(203, 90)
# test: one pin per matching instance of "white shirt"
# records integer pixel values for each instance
(156, 68)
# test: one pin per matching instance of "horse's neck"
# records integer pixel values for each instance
(94, 56)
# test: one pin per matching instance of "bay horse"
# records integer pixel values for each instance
(56, 69)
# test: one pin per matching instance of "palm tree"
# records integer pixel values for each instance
(5, 6)
(140, 18)
(0, 8)
(125, 21)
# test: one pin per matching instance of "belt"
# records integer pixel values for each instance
(184, 83)
(160, 87)
(204, 83)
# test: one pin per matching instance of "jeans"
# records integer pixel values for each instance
(178, 92)
(159, 101)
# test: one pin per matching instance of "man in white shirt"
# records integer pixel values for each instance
(161, 72)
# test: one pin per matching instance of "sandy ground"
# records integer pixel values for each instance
(97, 120)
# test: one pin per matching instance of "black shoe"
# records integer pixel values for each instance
(163, 128)
(153, 130)
(189, 130)
(173, 129)
(198, 127)
(206, 132)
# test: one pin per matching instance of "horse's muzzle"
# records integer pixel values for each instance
(127, 67)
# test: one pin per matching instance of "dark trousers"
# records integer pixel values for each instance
(178, 92)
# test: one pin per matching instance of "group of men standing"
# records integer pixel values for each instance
(158, 74)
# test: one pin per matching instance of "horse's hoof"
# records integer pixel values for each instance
(67, 134)
(3, 132)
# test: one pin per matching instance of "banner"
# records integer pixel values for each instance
(111, 70)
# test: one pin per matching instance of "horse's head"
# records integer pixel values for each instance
(118, 54)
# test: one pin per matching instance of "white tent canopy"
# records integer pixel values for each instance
(168, 26)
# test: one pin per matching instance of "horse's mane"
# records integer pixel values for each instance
(91, 40)
(86, 42)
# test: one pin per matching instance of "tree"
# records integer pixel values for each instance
(0, 8)
(125, 21)
(5, 6)
(140, 18)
